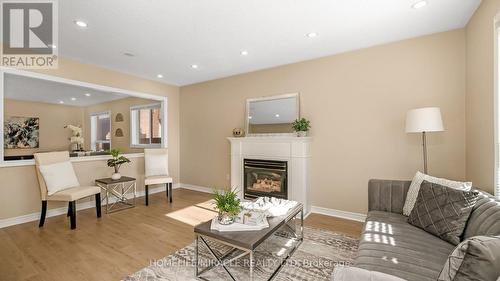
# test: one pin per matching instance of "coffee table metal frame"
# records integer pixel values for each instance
(118, 191)
(224, 260)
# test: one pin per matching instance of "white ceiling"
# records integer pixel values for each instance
(168, 36)
(36, 90)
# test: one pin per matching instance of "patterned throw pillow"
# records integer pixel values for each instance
(419, 177)
(477, 258)
(443, 211)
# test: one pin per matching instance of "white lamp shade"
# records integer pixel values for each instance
(426, 119)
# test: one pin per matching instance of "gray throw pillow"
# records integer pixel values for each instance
(477, 258)
(442, 211)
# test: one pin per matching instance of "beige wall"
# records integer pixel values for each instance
(18, 185)
(53, 118)
(356, 102)
(118, 106)
(480, 96)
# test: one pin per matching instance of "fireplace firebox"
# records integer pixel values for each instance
(265, 178)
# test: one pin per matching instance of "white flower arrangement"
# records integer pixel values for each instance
(77, 134)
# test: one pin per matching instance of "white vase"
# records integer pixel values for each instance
(302, 134)
(116, 176)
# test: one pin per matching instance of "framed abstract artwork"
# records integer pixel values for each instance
(21, 132)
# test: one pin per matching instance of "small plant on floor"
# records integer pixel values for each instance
(301, 126)
(228, 205)
(116, 162)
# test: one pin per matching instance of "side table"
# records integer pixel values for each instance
(117, 189)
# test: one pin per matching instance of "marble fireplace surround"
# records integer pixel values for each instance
(295, 150)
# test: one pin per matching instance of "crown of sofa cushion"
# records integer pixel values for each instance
(442, 211)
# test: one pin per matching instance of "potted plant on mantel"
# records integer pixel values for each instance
(228, 205)
(116, 162)
(301, 126)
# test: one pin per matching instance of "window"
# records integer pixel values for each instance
(100, 131)
(145, 126)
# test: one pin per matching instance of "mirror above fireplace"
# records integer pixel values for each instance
(272, 115)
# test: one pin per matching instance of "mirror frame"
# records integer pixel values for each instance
(276, 97)
(4, 70)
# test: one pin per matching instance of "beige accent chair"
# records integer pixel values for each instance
(67, 195)
(156, 171)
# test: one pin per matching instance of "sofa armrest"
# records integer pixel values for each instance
(387, 195)
(359, 274)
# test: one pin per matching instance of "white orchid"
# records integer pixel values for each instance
(77, 134)
(76, 130)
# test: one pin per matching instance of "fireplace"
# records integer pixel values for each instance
(265, 178)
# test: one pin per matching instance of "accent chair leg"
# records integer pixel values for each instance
(73, 214)
(166, 189)
(98, 204)
(69, 210)
(170, 192)
(43, 213)
(147, 195)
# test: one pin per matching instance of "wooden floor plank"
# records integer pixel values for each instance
(118, 244)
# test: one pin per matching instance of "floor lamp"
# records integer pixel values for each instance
(424, 120)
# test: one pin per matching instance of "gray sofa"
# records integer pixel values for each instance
(390, 245)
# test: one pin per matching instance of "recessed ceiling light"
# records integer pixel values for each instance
(277, 115)
(419, 4)
(312, 34)
(194, 66)
(81, 23)
(244, 53)
(87, 94)
(73, 99)
(61, 102)
(159, 76)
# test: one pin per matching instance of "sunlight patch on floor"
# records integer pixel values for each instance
(193, 215)
(209, 205)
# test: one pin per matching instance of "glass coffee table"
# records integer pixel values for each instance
(245, 243)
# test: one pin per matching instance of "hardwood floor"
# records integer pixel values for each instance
(118, 244)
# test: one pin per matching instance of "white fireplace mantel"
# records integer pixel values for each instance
(295, 150)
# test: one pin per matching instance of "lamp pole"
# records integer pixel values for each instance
(424, 147)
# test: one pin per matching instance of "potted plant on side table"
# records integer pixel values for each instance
(116, 162)
(301, 126)
(228, 206)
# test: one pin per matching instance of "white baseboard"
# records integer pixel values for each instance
(338, 213)
(79, 206)
(196, 188)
